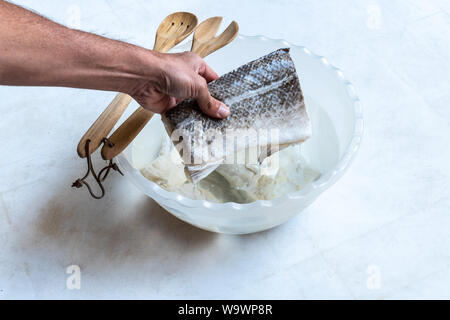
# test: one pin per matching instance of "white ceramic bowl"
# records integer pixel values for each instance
(337, 124)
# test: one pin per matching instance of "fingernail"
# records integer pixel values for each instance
(223, 111)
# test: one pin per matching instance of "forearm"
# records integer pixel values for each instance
(35, 51)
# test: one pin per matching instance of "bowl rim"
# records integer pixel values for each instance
(324, 182)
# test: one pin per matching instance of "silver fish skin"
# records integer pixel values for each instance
(263, 95)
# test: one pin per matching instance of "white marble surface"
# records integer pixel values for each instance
(381, 232)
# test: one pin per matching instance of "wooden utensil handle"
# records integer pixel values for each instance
(126, 133)
(104, 124)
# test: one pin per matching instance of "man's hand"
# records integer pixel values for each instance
(181, 76)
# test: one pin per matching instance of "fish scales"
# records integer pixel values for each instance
(263, 94)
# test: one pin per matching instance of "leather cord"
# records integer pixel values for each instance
(101, 175)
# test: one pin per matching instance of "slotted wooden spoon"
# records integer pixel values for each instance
(204, 43)
(172, 30)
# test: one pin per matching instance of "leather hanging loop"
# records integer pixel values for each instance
(102, 175)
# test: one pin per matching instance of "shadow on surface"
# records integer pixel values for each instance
(124, 227)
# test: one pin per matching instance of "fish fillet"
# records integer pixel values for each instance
(267, 114)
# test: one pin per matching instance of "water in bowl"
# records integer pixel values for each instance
(320, 153)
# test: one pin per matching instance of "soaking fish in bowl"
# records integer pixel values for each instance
(266, 103)
(280, 148)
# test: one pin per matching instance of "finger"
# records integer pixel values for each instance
(178, 100)
(208, 73)
(210, 106)
(170, 103)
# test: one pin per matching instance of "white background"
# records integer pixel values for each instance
(381, 232)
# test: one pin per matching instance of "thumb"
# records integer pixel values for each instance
(210, 106)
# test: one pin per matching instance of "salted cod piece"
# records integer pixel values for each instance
(263, 94)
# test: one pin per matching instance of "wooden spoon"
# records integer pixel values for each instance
(204, 43)
(172, 30)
